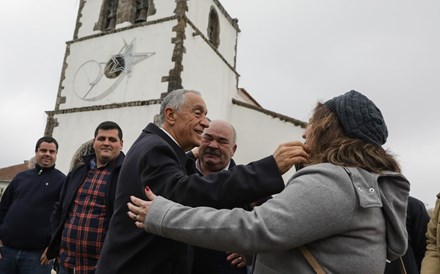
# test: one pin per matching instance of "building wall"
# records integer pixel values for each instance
(89, 13)
(143, 82)
(204, 70)
(198, 14)
(259, 134)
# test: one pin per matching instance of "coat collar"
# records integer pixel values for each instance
(181, 156)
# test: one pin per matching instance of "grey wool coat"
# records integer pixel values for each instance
(351, 220)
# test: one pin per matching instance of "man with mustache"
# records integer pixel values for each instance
(216, 149)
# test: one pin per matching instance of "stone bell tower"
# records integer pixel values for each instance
(126, 55)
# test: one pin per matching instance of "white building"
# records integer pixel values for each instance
(128, 54)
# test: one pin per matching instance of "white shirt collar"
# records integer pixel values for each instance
(169, 135)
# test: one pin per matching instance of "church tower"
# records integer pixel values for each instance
(126, 55)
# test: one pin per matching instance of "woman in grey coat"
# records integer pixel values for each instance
(347, 205)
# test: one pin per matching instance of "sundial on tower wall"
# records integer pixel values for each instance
(95, 79)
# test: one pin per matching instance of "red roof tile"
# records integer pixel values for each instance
(8, 173)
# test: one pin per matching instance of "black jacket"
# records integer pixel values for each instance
(26, 206)
(68, 193)
(417, 219)
(214, 261)
(157, 161)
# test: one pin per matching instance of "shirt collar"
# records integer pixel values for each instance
(94, 165)
(169, 135)
(200, 170)
(41, 169)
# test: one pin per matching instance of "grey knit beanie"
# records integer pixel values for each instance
(359, 116)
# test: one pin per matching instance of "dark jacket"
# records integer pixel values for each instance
(157, 161)
(26, 206)
(214, 261)
(68, 193)
(417, 219)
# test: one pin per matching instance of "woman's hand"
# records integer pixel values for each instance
(138, 208)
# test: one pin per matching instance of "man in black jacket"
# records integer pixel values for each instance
(82, 214)
(25, 210)
(157, 159)
(215, 153)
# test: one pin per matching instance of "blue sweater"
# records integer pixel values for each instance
(26, 206)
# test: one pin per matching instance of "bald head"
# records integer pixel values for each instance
(217, 146)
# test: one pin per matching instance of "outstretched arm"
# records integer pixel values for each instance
(269, 227)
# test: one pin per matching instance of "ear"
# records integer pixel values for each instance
(234, 149)
(170, 116)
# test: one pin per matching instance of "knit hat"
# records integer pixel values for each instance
(359, 116)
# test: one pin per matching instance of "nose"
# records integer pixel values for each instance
(213, 144)
(204, 122)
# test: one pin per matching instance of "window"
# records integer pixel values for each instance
(143, 9)
(213, 28)
(110, 18)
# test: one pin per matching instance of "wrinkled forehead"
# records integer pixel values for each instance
(193, 100)
(219, 131)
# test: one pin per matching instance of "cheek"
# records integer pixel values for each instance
(307, 132)
(225, 153)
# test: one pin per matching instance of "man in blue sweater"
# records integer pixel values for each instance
(25, 211)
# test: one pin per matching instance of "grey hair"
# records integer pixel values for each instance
(234, 138)
(174, 100)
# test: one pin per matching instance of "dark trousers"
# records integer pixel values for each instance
(23, 261)
(64, 270)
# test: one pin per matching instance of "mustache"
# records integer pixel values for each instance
(213, 151)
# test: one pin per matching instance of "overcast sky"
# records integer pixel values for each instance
(291, 53)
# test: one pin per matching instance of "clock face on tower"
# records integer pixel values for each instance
(93, 80)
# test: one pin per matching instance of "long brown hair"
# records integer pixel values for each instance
(330, 144)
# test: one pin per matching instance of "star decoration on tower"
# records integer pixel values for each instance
(131, 58)
(117, 63)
